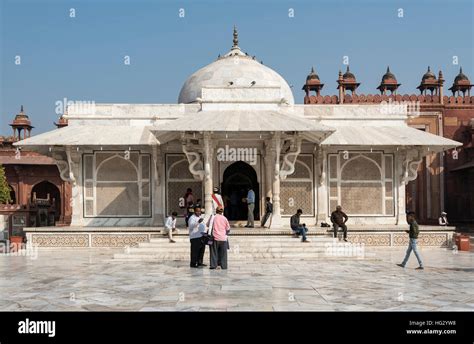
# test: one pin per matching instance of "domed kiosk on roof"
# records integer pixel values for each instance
(236, 70)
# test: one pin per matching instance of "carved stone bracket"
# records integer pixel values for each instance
(289, 159)
(411, 162)
(194, 160)
(65, 164)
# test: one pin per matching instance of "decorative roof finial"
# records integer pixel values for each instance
(236, 38)
(460, 70)
(388, 69)
(429, 69)
(312, 70)
(21, 109)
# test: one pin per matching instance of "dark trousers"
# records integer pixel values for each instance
(197, 252)
(265, 218)
(344, 228)
(219, 254)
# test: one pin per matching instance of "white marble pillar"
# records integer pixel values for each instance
(74, 161)
(268, 161)
(158, 185)
(400, 188)
(321, 184)
(207, 174)
(276, 216)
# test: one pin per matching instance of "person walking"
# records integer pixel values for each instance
(170, 226)
(196, 230)
(220, 229)
(413, 237)
(250, 199)
(268, 212)
(339, 219)
(297, 228)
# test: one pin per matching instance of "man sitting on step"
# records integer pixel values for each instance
(170, 226)
(297, 228)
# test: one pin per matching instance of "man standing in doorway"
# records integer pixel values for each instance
(339, 219)
(413, 237)
(250, 206)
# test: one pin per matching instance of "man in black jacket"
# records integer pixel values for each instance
(413, 237)
(296, 227)
(339, 219)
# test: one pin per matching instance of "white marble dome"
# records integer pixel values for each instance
(235, 69)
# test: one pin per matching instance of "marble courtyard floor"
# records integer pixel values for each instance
(90, 280)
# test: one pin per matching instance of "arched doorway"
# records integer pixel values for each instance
(237, 178)
(43, 189)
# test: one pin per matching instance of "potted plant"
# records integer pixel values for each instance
(15, 243)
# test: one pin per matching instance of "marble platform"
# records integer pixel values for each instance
(90, 280)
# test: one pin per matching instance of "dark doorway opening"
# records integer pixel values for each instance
(43, 189)
(237, 178)
(12, 195)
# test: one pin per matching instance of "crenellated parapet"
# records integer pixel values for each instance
(377, 99)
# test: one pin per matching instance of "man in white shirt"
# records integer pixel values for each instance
(443, 219)
(197, 228)
(170, 226)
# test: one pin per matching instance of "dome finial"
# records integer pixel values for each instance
(21, 109)
(429, 69)
(236, 38)
(460, 70)
(388, 69)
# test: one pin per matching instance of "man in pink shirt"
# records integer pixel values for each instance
(220, 229)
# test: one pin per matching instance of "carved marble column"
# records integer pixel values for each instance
(158, 199)
(69, 164)
(276, 147)
(408, 162)
(207, 174)
(321, 183)
(268, 161)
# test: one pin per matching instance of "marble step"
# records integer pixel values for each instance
(242, 245)
(286, 239)
(146, 250)
(238, 257)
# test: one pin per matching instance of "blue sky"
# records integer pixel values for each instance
(82, 58)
